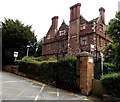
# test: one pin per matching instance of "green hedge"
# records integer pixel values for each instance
(67, 71)
(111, 82)
(43, 71)
(108, 68)
(51, 71)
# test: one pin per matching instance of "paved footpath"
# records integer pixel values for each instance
(19, 88)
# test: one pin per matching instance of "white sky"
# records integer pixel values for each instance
(39, 12)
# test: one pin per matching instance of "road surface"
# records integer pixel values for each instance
(19, 88)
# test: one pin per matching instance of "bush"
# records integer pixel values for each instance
(111, 82)
(108, 68)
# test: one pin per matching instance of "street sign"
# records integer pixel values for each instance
(91, 49)
(15, 54)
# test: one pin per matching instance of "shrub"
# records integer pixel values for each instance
(111, 82)
(67, 71)
(108, 68)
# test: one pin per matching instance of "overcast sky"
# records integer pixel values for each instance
(38, 13)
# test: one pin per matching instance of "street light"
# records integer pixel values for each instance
(28, 46)
(95, 36)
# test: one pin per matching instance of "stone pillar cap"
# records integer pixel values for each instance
(84, 54)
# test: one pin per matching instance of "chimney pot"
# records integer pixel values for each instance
(101, 9)
(55, 17)
(102, 14)
(55, 22)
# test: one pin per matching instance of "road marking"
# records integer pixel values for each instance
(37, 86)
(52, 92)
(36, 98)
(23, 90)
(42, 88)
(38, 93)
(11, 82)
(58, 94)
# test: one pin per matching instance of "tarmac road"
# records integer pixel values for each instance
(19, 88)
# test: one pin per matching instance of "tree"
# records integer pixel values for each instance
(108, 52)
(15, 37)
(113, 30)
(39, 48)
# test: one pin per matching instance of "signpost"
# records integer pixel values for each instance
(91, 49)
(15, 55)
(101, 54)
(28, 46)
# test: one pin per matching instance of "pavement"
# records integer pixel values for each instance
(15, 87)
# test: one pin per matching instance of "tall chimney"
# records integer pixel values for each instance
(78, 5)
(71, 12)
(75, 11)
(102, 14)
(55, 22)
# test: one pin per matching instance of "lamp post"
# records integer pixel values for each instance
(95, 36)
(28, 46)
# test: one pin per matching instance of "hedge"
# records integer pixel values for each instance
(67, 71)
(52, 71)
(111, 82)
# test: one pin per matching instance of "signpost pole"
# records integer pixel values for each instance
(101, 54)
(15, 55)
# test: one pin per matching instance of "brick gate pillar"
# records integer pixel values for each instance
(85, 72)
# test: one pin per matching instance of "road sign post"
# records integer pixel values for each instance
(101, 54)
(15, 55)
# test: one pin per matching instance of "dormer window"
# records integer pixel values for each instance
(62, 32)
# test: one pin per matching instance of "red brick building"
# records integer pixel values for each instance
(77, 37)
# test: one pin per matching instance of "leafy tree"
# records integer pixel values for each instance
(113, 30)
(108, 52)
(39, 48)
(15, 37)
